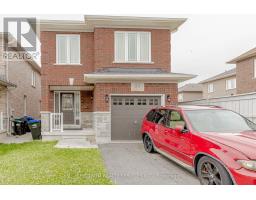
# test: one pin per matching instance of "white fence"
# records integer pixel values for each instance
(56, 122)
(244, 104)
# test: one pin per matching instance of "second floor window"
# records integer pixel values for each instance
(231, 84)
(210, 88)
(67, 49)
(132, 46)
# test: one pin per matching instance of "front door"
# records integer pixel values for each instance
(67, 108)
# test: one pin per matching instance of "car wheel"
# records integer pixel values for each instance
(211, 172)
(148, 144)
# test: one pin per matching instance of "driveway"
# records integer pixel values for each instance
(128, 163)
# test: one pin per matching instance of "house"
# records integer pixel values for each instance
(223, 84)
(245, 71)
(104, 73)
(20, 87)
(190, 92)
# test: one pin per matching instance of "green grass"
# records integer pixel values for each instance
(41, 163)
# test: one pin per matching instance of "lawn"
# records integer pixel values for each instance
(41, 163)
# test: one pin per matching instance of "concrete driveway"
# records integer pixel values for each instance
(128, 163)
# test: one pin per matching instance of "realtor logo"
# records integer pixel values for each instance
(23, 30)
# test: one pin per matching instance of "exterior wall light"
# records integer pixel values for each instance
(106, 98)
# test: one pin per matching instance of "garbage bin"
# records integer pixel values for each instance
(26, 119)
(35, 127)
(18, 127)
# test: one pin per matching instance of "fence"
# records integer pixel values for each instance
(244, 104)
(56, 122)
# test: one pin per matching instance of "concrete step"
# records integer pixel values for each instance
(75, 143)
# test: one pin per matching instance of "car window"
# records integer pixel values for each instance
(175, 120)
(160, 115)
(151, 115)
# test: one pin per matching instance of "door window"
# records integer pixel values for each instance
(175, 120)
(67, 102)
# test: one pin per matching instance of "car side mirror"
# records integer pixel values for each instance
(180, 129)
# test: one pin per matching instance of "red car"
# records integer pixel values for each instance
(218, 145)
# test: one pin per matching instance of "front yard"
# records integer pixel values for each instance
(41, 163)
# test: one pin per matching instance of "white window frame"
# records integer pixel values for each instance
(230, 81)
(210, 88)
(33, 78)
(138, 47)
(68, 49)
(254, 68)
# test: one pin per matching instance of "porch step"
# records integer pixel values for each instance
(84, 134)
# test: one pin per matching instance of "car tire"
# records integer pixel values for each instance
(211, 172)
(148, 144)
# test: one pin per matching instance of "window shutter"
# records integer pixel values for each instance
(74, 43)
(145, 46)
(61, 50)
(119, 46)
(132, 46)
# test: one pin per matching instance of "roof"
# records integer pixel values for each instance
(191, 87)
(118, 74)
(248, 54)
(225, 74)
(94, 21)
(11, 39)
(4, 82)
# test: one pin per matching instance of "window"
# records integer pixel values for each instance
(151, 115)
(33, 78)
(25, 105)
(230, 84)
(175, 120)
(132, 46)
(210, 88)
(67, 49)
(180, 97)
(254, 68)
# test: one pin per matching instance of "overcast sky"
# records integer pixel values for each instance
(204, 43)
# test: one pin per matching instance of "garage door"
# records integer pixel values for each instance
(127, 113)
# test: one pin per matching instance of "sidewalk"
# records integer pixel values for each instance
(9, 139)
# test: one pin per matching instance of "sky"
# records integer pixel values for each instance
(204, 43)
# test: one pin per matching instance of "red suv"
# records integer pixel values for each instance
(218, 145)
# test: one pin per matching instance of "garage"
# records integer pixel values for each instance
(127, 113)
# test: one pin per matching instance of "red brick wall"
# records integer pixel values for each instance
(245, 80)
(97, 51)
(59, 75)
(101, 89)
(104, 49)
(86, 101)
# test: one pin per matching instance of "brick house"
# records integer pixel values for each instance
(245, 71)
(104, 73)
(220, 85)
(20, 87)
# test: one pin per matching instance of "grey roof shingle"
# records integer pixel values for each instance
(191, 87)
(225, 74)
(243, 56)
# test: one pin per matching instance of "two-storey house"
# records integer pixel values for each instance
(20, 86)
(105, 73)
(245, 71)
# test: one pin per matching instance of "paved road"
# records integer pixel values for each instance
(129, 164)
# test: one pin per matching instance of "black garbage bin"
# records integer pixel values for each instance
(35, 127)
(17, 127)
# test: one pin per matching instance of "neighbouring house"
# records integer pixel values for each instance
(20, 87)
(104, 73)
(245, 71)
(190, 92)
(221, 85)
